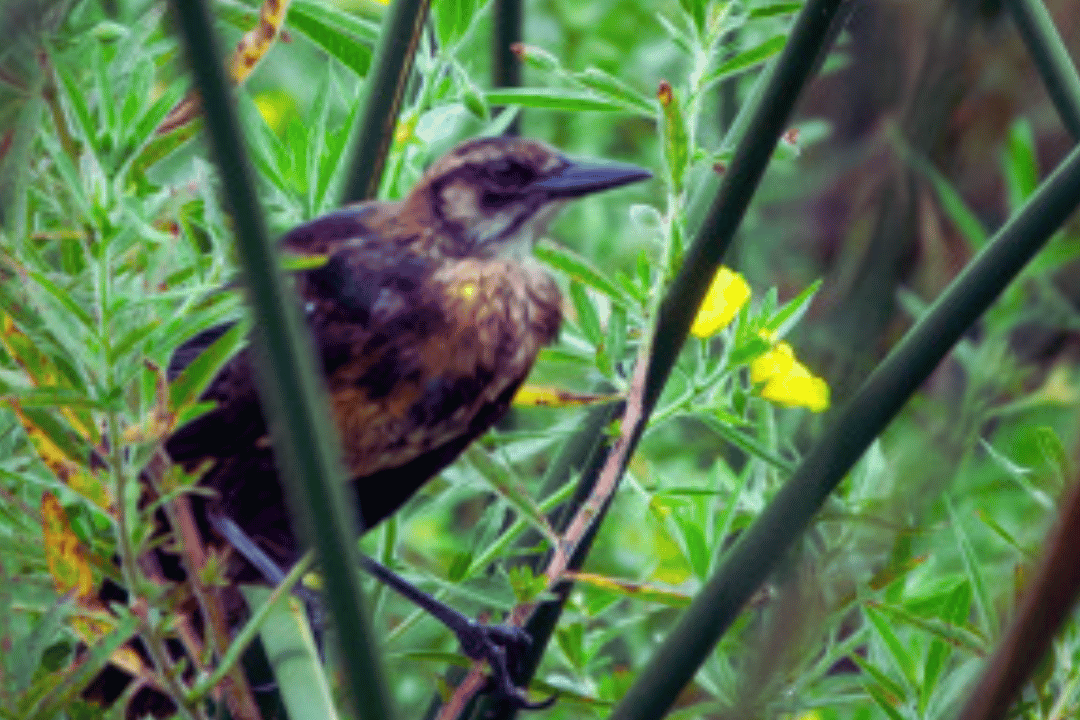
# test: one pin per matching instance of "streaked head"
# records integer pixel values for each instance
(496, 195)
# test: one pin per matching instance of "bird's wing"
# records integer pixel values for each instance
(420, 357)
(236, 421)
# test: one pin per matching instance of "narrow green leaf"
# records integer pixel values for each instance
(364, 30)
(901, 657)
(793, 310)
(340, 36)
(510, 489)
(579, 268)
(189, 385)
(587, 317)
(745, 441)
(884, 702)
(554, 99)
(697, 550)
(606, 84)
(886, 684)
(54, 703)
(293, 657)
(616, 333)
(745, 60)
(952, 203)
(676, 140)
(107, 125)
(47, 397)
(984, 603)
(72, 181)
(74, 98)
(765, 10)
(142, 134)
(1019, 164)
(64, 298)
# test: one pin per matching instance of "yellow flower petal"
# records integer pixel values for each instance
(797, 388)
(774, 363)
(726, 296)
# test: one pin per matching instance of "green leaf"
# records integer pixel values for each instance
(554, 99)
(984, 601)
(615, 342)
(676, 140)
(343, 37)
(587, 317)
(900, 655)
(784, 7)
(696, 10)
(579, 268)
(793, 310)
(72, 682)
(46, 397)
(745, 60)
(1020, 165)
(606, 84)
(74, 99)
(189, 385)
(65, 299)
(725, 428)
(510, 489)
(293, 657)
(952, 203)
(885, 702)
(698, 553)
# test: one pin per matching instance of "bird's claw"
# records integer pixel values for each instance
(495, 643)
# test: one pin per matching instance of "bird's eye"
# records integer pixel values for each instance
(496, 199)
(510, 174)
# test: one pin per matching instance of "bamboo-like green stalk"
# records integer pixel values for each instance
(1051, 58)
(398, 40)
(505, 65)
(304, 441)
(880, 398)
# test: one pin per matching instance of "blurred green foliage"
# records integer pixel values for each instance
(114, 247)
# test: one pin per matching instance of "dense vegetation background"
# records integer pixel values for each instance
(926, 128)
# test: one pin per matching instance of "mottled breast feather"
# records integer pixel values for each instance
(420, 358)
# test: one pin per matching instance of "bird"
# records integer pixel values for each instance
(426, 314)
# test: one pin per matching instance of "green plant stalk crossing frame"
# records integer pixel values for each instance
(297, 414)
(1052, 59)
(877, 402)
(398, 39)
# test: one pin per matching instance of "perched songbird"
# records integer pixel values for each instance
(427, 315)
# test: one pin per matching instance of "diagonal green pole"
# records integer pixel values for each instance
(1051, 58)
(304, 442)
(888, 388)
(384, 88)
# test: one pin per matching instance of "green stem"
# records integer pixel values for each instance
(304, 440)
(398, 39)
(761, 546)
(1051, 58)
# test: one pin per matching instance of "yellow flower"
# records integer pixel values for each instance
(726, 296)
(786, 381)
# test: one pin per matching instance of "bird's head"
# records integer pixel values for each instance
(493, 196)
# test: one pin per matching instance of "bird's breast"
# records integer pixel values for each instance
(479, 325)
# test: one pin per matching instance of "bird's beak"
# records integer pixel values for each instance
(581, 177)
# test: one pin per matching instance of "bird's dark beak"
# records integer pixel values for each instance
(581, 177)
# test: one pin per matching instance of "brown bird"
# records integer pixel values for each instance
(426, 315)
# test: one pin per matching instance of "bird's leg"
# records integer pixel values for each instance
(243, 544)
(493, 643)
